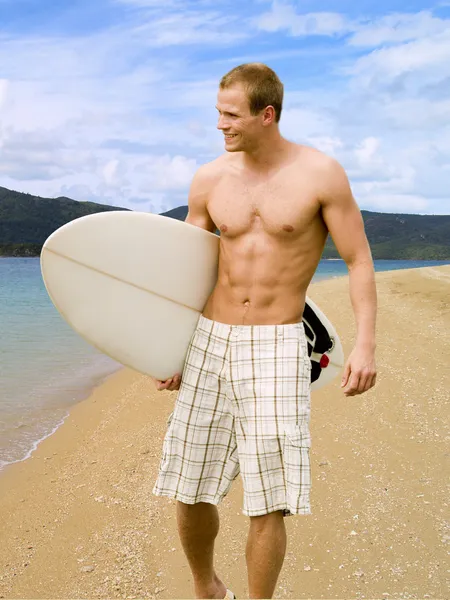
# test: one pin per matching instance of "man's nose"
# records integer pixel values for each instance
(221, 123)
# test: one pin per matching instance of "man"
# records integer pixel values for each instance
(244, 400)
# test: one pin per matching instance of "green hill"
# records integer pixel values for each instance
(26, 221)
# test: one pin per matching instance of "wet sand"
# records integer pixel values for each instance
(78, 519)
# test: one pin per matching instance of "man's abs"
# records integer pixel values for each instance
(253, 307)
(262, 280)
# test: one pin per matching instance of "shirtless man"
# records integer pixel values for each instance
(244, 400)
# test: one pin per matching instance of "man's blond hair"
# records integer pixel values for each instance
(261, 84)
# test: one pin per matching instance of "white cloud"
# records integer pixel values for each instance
(326, 144)
(399, 27)
(284, 16)
(367, 149)
(165, 173)
(389, 29)
(199, 28)
(114, 173)
(4, 85)
(303, 122)
(418, 114)
(397, 203)
(428, 56)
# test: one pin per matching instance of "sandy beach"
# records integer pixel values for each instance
(78, 519)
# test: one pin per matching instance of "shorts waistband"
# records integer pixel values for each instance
(224, 330)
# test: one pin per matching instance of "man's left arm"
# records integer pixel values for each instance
(344, 221)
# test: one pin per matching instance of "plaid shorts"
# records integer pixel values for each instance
(243, 407)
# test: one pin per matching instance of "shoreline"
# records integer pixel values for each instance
(86, 399)
(84, 393)
(78, 518)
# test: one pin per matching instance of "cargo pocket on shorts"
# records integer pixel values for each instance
(297, 436)
(297, 444)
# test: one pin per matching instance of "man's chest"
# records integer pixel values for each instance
(279, 207)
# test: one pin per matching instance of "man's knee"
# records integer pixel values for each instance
(197, 507)
(276, 515)
(201, 514)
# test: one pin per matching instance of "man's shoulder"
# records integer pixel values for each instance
(212, 169)
(318, 161)
(330, 179)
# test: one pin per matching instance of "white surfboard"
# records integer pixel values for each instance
(134, 285)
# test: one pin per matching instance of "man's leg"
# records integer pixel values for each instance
(266, 547)
(198, 526)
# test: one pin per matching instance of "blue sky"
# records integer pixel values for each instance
(113, 101)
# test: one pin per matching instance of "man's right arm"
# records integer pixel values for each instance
(198, 199)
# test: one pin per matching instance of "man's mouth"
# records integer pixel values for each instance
(229, 136)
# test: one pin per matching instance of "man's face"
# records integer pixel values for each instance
(241, 129)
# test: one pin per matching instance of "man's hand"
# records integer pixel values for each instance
(170, 384)
(360, 372)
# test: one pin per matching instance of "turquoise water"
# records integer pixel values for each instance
(45, 367)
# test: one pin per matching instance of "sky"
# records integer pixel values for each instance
(113, 101)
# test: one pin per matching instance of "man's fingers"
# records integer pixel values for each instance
(374, 380)
(176, 382)
(171, 384)
(367, 381)
(360, 383)
(345, 376)
(352, 388)
(163, 385)
(364, 381)
(176, 379)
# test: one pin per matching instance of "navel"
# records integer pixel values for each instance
(288, 228)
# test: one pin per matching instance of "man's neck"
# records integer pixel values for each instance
(266, 156)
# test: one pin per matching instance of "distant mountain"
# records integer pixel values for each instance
(26, 221)
(403, 236)
(179, 213)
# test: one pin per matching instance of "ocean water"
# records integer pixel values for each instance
(45, 367)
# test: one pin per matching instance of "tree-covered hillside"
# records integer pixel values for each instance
(26, 221)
